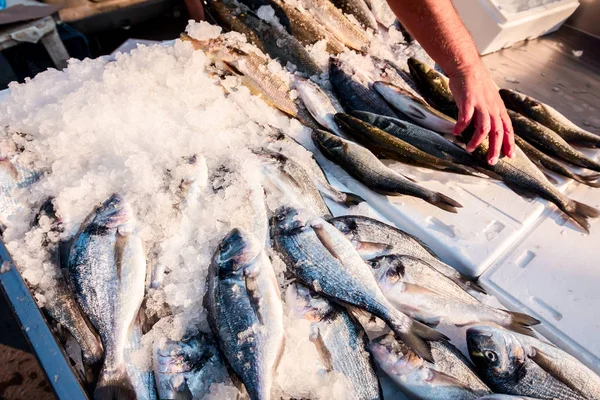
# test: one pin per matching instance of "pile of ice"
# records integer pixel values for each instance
(156, 127)
(517, 6)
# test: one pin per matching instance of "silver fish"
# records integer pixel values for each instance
(142, 379)
(323, 259)
(373, 238)
(107, 266)
(340, 341)
(418, 110)
(360, 10)
(525, 366)
(245, 311)
(505, 397)
(421, 292)
(187, 368)
(320, 105)
(449, 375)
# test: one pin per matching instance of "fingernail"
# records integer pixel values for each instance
(493, 160)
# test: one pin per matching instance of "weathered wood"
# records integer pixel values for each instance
(56, 49)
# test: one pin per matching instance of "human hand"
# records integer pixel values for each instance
(478, 100)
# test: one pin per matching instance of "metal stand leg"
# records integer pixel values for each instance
(56, 49)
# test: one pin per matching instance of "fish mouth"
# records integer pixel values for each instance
(288, 219)
(114, 212)
(326, 139)
(240, 246)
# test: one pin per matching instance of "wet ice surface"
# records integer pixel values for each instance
(516, 6)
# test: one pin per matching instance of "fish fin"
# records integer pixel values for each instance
(580, 213)
(325, 241)
(115, 385)
(232, 68)
(417, 338)
(545, 362)
(590, 180)
(364, 248)
(444, 202)
(442, 379)
(352, 199)
(520, 323)
(412, 288)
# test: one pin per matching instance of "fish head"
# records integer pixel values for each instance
(389, 269)
(306, 303)
(418, 70)
(327, 140)
(495, 351)
(237, 250)
(188, 354)
(393, 356)
(113, 213)
(348, 123)
(289, 219)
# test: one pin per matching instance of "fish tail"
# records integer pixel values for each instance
(114, 385)
(580, 213)
(444, 202)
(590, 180)
(352, 199)
(475, 286)
(520, 323)
(417, 337)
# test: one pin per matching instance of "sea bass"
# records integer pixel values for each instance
(363, 165)
(360, 11)
(549, 141)
(448, 376)
(245, 312)
(416, 109)
(521, 365)
(373, 238)
(549, 117)
(323, 259)
(107, 267)
(355, 94)
(389, 146)
(434, 87)
(421, 292)
(187, 368)
(320, 105)
(339, 339)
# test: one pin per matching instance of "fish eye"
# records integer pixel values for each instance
(374, 264)
(225, 247)
(490, 355)
(280, 217)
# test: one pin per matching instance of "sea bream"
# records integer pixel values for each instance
(549, 117)
(339, 339)
(421, 292)
(107, 267)
(447, 376)
(525, 366)
(324, 260)
(372, 238)
(364, 166)
(187, 368)
(245, 311)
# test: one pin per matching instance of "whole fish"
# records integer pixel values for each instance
(416, 109)
(434, 87)
(245, 311)
(392, 147)
(539, 158)
(107, 267)
(448, 376)
(360, 11)
(422, 138)
(323, 259)
(187, 368)
(549, 117)
(390, 72)
(255, 75)
(524, 178)
(320, 105)
(336, 22)
(282, 143)
(369, 170)
(340, 341)
(372, 238)
(291, 182)
(549, 141)
(382, 12)
(525, 366)
(421, 292)
(142, 380)
(63, 307)
(354, 94)
(305, 27)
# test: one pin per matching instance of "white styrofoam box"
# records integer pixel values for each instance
(553, 274)
(493, 29)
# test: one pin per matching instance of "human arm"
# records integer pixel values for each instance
(438, 28)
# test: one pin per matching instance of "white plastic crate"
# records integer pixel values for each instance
(493, 28)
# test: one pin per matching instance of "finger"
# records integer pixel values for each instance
(482, 128)
(496, 137)
(465, 115)
(508, 143)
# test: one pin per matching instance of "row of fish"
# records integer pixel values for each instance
(386, 102)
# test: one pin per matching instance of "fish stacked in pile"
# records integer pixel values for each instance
(370, 294)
